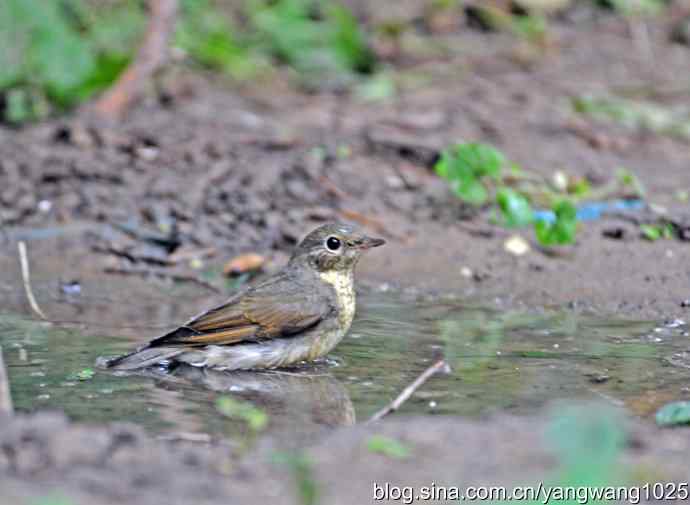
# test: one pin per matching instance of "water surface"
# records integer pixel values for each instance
(501, 361)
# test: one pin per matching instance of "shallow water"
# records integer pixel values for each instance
(501, 361)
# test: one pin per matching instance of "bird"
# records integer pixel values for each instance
(299, 314)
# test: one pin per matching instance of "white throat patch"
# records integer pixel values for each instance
(343, 283)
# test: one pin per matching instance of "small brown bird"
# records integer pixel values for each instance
(299, 314)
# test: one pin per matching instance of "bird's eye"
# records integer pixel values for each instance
(333, 243)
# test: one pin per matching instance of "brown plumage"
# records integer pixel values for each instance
(300, 313)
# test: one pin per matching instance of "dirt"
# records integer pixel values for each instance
(238, 170)
(224, 171)
(43, 455)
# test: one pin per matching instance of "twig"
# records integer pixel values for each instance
(146, 272)
(24, 260)
(5, 397)
(409, 390)
(152, 54)
(331, 187)
(407, 184)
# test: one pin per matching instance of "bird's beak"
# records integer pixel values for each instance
(369, 242)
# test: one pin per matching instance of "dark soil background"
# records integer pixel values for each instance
(251, 169)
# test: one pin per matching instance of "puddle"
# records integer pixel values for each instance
(501, 361)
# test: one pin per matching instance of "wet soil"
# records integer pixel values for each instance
(492, 421)
(45, 456)
(501, 360)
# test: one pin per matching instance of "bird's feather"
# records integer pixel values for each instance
(278, 308)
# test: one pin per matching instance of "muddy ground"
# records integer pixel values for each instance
(215, 171)
(251, 169)
(45, 456)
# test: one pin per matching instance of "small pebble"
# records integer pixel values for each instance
(72, 288)
(45, 206)
(516, 245)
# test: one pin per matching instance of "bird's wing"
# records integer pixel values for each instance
(275, 309)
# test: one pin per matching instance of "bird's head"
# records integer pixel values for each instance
(333, 247)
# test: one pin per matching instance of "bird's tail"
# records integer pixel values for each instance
(141, 358)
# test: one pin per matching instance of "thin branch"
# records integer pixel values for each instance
(5, 397)
(26, 278)
(440, 365)
(152, 54)
(147, 272)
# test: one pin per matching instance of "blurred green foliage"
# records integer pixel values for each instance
(562, 230)
(476, 174)
(83, 375)
(318, 39)
(653, 232)
(635, 114)
(55, 55)
(210, 39)
(467, 166)
(634, 7)
(674, 414)
(301, 466)
(387, 446)
(255, 418)
(515, 208)
(589, 442)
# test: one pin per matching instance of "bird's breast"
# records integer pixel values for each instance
(343, 285)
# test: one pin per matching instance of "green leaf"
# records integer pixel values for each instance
(465, 166)
(347, 39)
(207, 37)
(532, 27)
(18, 106)
(471, 191)
(50, 52)
(13, 41)
(255, 418)
(115, 31)
(562, 230)
(84, 375)
(321, 40)
(58, 55)
(388, 446)
(515, 208)
(482, 159)
(638, 7)
(106, 71)
(627, 178)
(656, 231)
(581, 187)
(301, 466)
(674, 414)
(380, 87)
(650, 232)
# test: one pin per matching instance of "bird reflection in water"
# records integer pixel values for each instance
(300, 402)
